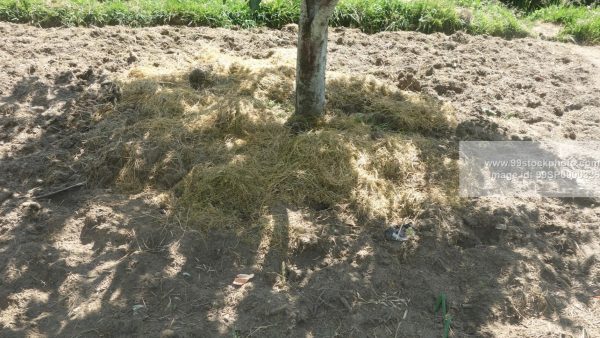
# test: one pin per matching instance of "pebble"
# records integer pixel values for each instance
(168, 333)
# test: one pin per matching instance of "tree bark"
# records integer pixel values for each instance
(312, 58)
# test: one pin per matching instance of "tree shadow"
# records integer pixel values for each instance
(101, 263)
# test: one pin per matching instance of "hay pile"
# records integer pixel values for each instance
(222, 150)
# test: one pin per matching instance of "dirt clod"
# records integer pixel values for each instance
(573, 106)
(292, 28)
(87, 75)
(131, 58)
(408, 81)
(198, 78)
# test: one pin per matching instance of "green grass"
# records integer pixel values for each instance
(368, 15)
(529, 5)
(373, 16)
(496, 20)
(474, 16)
(579, 23)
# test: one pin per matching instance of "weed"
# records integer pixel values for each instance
(580, 23)
(368, 15)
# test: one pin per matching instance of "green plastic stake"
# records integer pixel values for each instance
(441, 304)
(447, 322)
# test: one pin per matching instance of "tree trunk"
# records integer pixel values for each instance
(312, 58)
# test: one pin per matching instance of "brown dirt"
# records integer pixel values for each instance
(546, 30)
(76, 264)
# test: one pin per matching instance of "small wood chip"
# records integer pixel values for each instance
(242, 279)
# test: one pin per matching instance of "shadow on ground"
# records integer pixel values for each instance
(95, 262)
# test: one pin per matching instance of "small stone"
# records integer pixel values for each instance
(31, 208)
(573, 106)
(168, 333)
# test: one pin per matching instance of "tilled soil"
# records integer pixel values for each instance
(89, 262)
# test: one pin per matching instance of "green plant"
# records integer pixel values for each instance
(371, 16)
(441, 306)
(580, 23)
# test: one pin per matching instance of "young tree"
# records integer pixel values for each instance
(312, 59)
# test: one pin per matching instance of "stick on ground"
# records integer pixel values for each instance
(77, 185)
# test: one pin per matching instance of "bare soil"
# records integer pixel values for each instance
(92, 262)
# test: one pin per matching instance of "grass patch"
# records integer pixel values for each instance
(496, 20)
(580, 23)
(226, 156)
(373, 16)
(369, 15)
(586, 30)
(475, 16)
